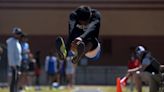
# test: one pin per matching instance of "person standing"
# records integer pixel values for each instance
(25, 61)
(51, 68)
(14, 53)
(3, 64)
(37, 56)
(1, 52)
(70, 72)
(31, 69)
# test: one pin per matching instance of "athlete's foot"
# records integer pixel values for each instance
(80, 53)
(60, 48)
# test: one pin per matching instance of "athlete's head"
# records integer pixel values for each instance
(83, 14)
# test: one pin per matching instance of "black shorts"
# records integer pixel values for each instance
(93, 41)
(24, 67)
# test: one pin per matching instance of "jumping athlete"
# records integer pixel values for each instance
(84, 25)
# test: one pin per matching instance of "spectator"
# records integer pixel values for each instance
(70, 72)
(25, 61)
(14, 52)
(3, 65)
(1, 52)
(62, 74)
(37, 69)
(31, 69)
(51, 68)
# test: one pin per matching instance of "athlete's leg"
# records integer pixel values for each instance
(78, 52)
(91, 44)
(93, 50)
(60, 48)
(81, 49)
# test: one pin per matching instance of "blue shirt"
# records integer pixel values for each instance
(51, 64)
(25, 51)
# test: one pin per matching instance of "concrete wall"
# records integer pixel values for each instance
(47, 17)
(54, 22)
(125, 23)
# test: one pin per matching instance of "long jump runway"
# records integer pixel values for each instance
(87, 90)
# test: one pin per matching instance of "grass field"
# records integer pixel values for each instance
(64, 89)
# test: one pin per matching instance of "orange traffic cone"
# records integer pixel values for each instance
(119, 89)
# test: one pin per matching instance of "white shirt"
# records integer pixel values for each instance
(14, 52)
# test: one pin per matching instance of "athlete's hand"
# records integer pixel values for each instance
(75, 43)
(123, 81)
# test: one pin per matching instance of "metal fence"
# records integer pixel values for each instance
(99, 75)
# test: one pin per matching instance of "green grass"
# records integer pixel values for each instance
(64, 89)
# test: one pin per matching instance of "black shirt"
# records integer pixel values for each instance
(154, 65)
(90, 32)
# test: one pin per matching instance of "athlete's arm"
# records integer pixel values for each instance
(72, 21)
(93, 27)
